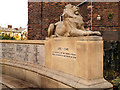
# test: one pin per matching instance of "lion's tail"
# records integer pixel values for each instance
(51, 30)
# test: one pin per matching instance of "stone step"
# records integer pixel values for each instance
(4, 87)
(12, 82)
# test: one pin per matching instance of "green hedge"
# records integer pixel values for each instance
(6, 37)
(112, 61)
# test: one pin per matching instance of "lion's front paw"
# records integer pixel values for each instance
(98, 33)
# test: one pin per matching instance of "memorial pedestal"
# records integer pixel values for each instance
(78, 56)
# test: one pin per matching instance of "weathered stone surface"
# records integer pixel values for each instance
(51, 78)
(48, 83)
(41, 55)
(31, 53)
(0, 51)
(76, 56)
(12, 82)
(71, 25)
(75, 62)
(33, 78)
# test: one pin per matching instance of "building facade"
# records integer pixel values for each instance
(14, 33)
(41, 14)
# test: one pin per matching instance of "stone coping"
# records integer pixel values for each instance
(80, 38)
(41, 42)
(67, 79)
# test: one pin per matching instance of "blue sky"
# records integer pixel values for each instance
(14, 12)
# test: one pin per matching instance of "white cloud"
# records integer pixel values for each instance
(14, 12)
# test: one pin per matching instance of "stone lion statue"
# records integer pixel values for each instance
(72, 24)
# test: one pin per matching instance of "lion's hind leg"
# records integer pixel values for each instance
(51, 30)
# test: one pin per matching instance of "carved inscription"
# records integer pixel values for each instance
(22, 52)
(64, 52)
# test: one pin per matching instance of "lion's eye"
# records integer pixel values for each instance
(77, 8)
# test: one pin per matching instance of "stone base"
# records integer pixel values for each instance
(78, 56)
(46, 78)
(70, 62)
(97, 83)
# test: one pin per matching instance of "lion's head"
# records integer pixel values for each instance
(72, 8)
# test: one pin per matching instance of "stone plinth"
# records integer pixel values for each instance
(78, 56)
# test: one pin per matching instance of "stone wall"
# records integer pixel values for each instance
(32, 53)
(30, 60)
(40, 15)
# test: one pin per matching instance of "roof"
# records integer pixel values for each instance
(13, 30)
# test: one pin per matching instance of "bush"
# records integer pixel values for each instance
(116, 82)
(7, 37)
(0, 37)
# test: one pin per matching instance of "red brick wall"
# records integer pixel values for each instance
(119, 16)
(51, 13)
(104, 9)
(34, 20)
